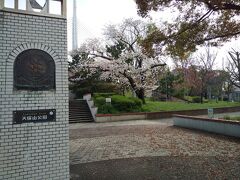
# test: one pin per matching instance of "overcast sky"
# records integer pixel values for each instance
(93, 15)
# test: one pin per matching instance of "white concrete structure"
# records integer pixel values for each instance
(229, 128)
(93, 109)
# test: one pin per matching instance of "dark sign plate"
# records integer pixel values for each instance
(36, 116)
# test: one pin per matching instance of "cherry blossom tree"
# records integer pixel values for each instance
(119, 57)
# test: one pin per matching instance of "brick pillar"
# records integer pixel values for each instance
(33, 150)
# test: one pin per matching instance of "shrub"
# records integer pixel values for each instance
(225, 98)
(196, 99)
(179, 93)
(107, 109)
(119, 103)
(227, 117)
(126, 104)
(99, 101)
(204, 100)
(137, 102)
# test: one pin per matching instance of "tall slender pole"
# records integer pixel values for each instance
(2, 4)
(16, 4)
(74, 27)
(47, 4)
(64, 8)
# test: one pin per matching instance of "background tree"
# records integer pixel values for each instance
(167, 84)
(234, 67)
(218, 85)
(186, 69)
(205, 62)
(228, 87)
(191, 82)
(120, 58)
(195, 22)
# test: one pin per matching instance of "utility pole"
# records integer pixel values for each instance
(74, 27)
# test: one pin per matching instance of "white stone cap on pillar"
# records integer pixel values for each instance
(34, 7)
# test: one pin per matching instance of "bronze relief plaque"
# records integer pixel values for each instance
(34, 70)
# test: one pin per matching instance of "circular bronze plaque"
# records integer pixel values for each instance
(34, 70)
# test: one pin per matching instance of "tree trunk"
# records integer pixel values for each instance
(201, 98)
(123, 91)
(139, 92)
(140, 95)
(202, 92)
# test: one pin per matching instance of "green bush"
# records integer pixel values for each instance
(196, 99)
(126, 104)
(227, 117)
(188, 98)
(99, 101)
(234, 118)
(107, 109)
(205, 100)
(179, 93)
(225, 98)
(138, 102)
(119, 104)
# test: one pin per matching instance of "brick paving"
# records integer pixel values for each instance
(92, 145)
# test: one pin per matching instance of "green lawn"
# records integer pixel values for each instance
(232, 118)
(156, 106)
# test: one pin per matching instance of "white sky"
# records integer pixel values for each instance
(93, 15)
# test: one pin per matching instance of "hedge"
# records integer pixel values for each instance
(126, 104)
(196, 99)
(118, 104)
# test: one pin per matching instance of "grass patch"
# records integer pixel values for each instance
(155, 106)
(232, 118)
(124, 104)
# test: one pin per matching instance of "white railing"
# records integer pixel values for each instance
(32, 6)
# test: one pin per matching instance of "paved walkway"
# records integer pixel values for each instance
(150, 150)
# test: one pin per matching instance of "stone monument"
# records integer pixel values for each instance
(34, 139)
